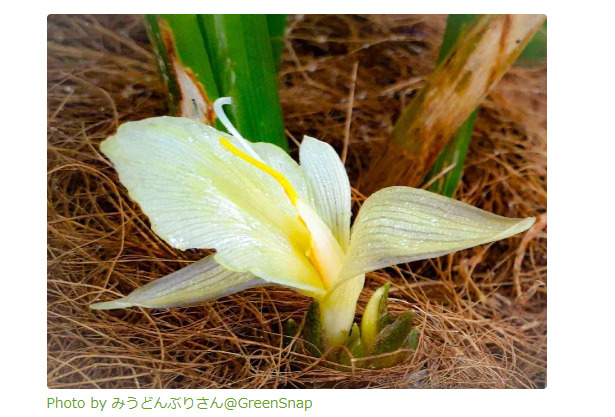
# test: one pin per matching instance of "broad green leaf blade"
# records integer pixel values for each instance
(328, 186)
(201, 281)
(402, 224)
(239, 48)
(373, 316)
(198, 194)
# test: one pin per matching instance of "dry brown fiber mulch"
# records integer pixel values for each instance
(481, 312)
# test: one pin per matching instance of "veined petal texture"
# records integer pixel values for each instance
(198, 194)
(279, 160)
(328, 186)
(201, 281)
(401, 224)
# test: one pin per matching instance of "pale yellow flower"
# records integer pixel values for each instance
(273, 221)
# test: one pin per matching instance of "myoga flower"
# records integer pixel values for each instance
(273, 221)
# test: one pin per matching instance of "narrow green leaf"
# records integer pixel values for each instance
(276, 23)
(184, 65)
(289, 331)
(413, 339)
(392, 338)
(240, 52)
(354, 345)
(455, 152)
(395, 334)
(165, 68)
(312, 331)
(455, 25)
(535, 53)
(383, 309)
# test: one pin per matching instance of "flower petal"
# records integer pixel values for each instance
(280, 160)
(201, 281)
(198, 194)
(328, 186)
(401, 224)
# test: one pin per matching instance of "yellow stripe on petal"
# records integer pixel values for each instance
(281, 179)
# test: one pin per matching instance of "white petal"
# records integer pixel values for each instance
(198, 194)
(328, 186)
(201, 281)
(278, 159)
(401, 224)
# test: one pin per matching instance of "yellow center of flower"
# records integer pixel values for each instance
(324, 251)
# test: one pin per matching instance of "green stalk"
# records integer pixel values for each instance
(456, 150)
(276, 23)
(184, 65)
(241, 56)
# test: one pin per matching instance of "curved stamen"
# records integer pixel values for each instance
(223, 117)
(229, 126)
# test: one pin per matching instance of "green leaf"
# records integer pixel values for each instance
(184, 65)
(289, 331)
(383, 309)
(240, 52)
(455, 25)
(535, 53)
(276, 23)
(453, 154)
(312, 331)
(354, 345)
(413, 339)
(456, 150)
(394, 336)
(165, 67)
(375, 317)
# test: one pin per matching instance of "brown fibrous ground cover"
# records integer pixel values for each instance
(481, 312)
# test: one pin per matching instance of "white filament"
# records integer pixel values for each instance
(223, 117)
(230, 128)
